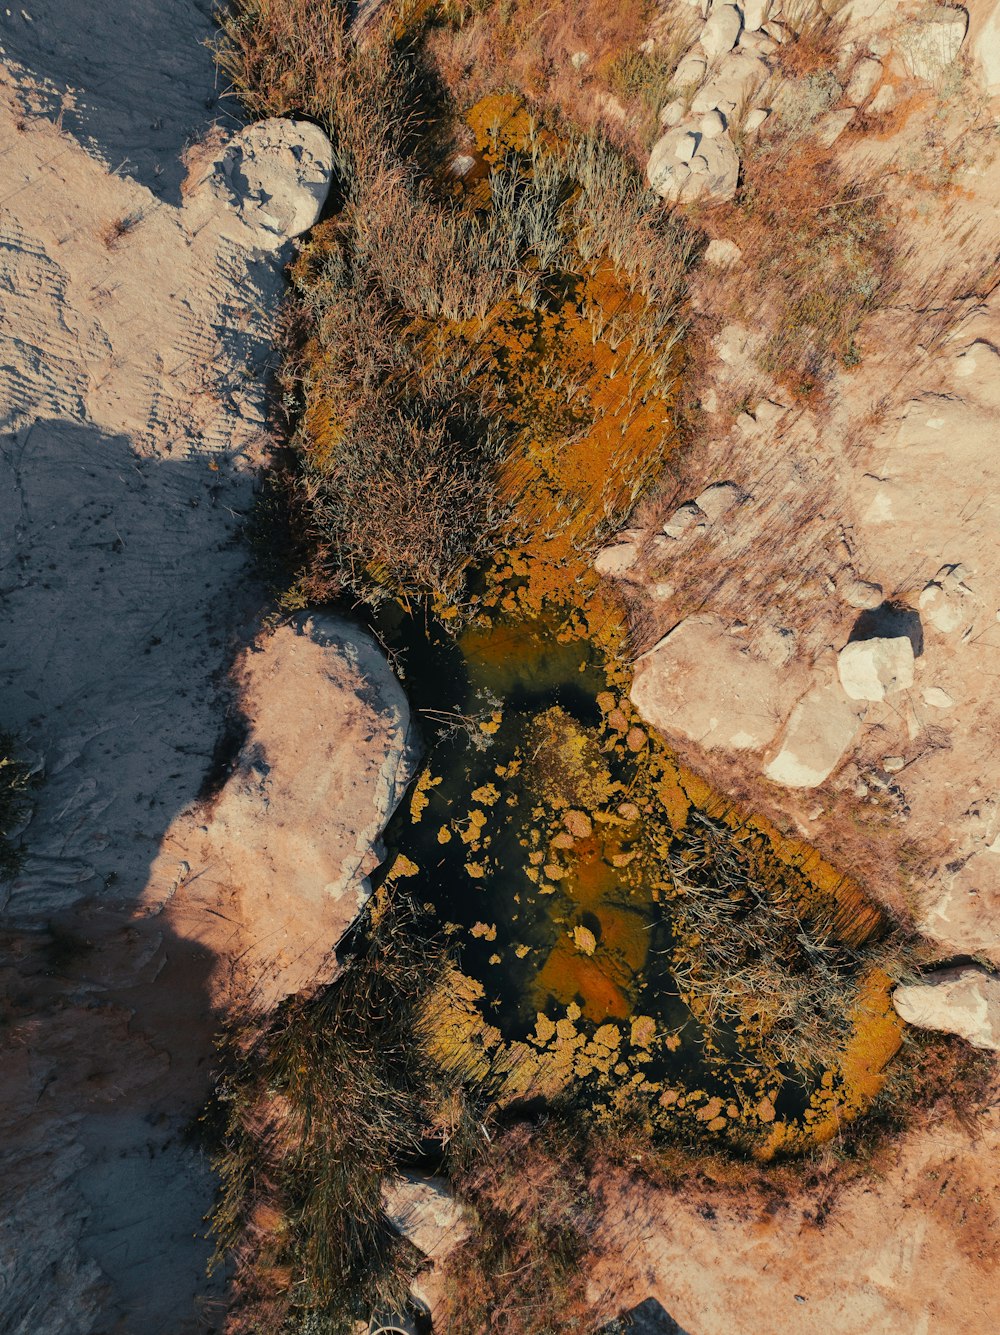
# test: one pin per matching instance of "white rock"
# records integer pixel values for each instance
(893, 764)
(754, 120)
(719, 499)
(690, 70)
(820, 730)
(461, 164)
(721, 33)
(579, 58)
(722, 254)
(947, 602)
(617, 560)
(859, 592)
(757, 43)
(863, 81)
(873, 669)
(425, 1211)
(929, 47)
(936, 697)
(755, 14)
(683, 519)
(731, 344)
(963, 1001)
(832, 124)
(672, 113)
(275, 176)
(684, 149)
(712, 124)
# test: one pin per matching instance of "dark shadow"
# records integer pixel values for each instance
(649, 1318)
(127, 76)
(124, 591)
(890, 621)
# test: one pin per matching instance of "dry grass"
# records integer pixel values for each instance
(524, 1269)
(320, 1100)
(575, 60)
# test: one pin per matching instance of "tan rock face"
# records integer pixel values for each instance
(287, 844)
(958, 1001)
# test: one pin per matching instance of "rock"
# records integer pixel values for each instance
(820, 730)
(774, 644)
(617, 560)
(863, 81)
(424, 1210)
(712, 124)
(721, 33)
(830, 126)
(884, 101)
(719, 499)
(963, 1001)
(684, 149)
(893, 764)
(461, 164)
(579, 58)
(986, 49)
(722, 254)
(672, 113)
(936, 697)
(275, 176)
(754, 120)
(873, 669)
(701, 684)
(674, 173)
(690, 71)
(976, 371)
(731, 344)
(930, 46)
(755, 14)
(859, 592)
(737, 79)
(947, 602)
(683, 519)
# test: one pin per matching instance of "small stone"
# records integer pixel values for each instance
(863, 82)
(690, 71)
(754, 120)
(617, 560)
(672, 113)
(461, 164)
(755, 14)
(884, 101)
(712, 124)
(893, 764)
(936, 698)
(719, 499)
(832, 125)
(684, 518)
(860, 593)
(579, 58)
(722, 254)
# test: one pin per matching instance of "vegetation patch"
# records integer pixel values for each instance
(16, 782)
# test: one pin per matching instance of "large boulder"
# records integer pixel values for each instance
(703, 684)
(722, 31)
(964, 1001)
(873, 669)
(274, 176)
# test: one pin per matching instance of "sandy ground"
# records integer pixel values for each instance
(135, 343)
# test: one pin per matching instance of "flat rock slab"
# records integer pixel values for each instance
(956, 1001)
(703, 684)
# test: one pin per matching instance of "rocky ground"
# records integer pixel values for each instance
(213, 800)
